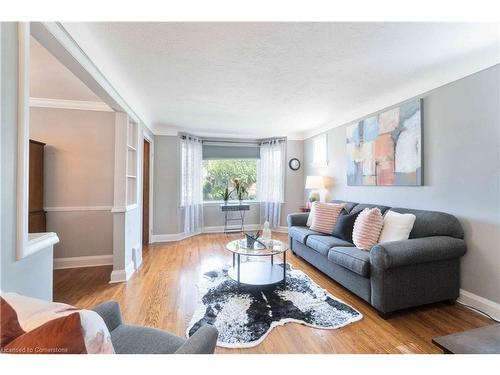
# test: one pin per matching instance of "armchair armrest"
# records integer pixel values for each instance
(110, 313)
(202, 342)
(297, 219)
(418, 250)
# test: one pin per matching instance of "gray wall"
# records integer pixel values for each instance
(168, 216)
(461, 172)
(294, 180)
(75, 177)
(166, 219)
(32, 275)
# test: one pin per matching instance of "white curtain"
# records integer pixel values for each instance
(271, 180)
(191, 183)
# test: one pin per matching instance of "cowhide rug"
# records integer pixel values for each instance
(244, 317)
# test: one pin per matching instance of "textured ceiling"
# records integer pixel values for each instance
(51, 79)
(263, 79)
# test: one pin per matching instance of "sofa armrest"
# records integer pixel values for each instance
(297, 219)
(110, 313)
(418, 250)
(203, 341)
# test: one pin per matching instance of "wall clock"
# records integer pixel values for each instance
(294, 164)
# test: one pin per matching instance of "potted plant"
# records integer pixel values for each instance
(241, 193)
(313, 197)
(226, 194)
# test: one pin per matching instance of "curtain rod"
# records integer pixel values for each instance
(227, 140)
(234, 141)
(269, 140)
(190, 136)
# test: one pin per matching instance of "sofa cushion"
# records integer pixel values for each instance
(367, 228)
(10, 328)
(397, 227)
(324, 216)
(128, 339)
(344, 226)
(301, 233)
(348, 205)
(360, 207)
(324, 243)
(352, 258)
(62, 335)
(33, 313)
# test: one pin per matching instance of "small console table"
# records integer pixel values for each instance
(484, 340)
(238, 219)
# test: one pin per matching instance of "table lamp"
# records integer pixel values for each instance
(314, 183)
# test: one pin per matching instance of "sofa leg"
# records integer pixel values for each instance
(450, 302)
(384, 315)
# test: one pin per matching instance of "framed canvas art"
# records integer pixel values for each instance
(386, 149)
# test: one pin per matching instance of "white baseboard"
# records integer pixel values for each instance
(78, 262)
(170, 237)
(480, 303)
(280, 229)
(213, 229)
(119, 276)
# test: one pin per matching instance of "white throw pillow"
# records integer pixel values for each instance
(310, 217)
(397, 227)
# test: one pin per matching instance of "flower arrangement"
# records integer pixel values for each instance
(241, 193)
(239, 189)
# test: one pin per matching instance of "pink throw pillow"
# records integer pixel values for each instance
(367, 228)
(324, 216)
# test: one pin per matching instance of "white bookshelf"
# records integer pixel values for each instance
(132, 156)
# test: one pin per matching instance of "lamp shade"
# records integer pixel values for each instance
(315, 182)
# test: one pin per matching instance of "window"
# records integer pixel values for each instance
(219, 172)
(320, 157)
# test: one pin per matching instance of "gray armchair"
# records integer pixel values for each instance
(129, 339)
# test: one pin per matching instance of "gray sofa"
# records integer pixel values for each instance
(129, 339)
(392, 275)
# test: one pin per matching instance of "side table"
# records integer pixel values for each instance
(238, 219)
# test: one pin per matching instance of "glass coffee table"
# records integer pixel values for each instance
(257, 273)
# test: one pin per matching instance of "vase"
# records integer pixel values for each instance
(225, 202)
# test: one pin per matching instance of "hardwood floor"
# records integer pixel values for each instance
(163, 294)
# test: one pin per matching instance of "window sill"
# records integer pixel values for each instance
(218, 203)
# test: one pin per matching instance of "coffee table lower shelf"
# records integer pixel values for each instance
(258, 273)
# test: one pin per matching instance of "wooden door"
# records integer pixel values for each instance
(36, 217)
(145, 193)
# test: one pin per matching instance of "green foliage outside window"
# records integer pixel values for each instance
(219, 173)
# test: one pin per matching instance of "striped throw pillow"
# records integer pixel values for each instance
(324, 216)
(367, 228)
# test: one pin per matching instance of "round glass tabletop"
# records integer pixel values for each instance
(274, 247)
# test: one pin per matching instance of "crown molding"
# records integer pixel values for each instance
(81, 105)
(54, 37)
(165, 130)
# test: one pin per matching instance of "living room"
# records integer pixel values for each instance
(176, 187)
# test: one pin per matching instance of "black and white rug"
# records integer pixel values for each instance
(245, 317)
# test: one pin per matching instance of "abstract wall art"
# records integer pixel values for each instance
(386, 149)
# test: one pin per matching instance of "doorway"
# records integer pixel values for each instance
(145, 191)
